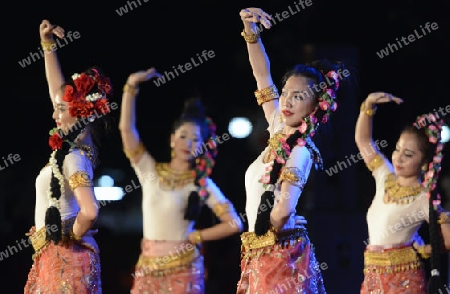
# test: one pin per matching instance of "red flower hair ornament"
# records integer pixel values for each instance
(84, 105)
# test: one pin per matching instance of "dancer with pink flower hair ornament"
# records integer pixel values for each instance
(276, 252)
(406, 191)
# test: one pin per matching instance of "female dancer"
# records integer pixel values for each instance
(66, 258)
(405, 198)
(173, 194)
(277, 256)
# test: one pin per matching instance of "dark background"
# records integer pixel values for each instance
(164, 34)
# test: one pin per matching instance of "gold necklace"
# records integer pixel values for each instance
(399, 194)
(273, 145)
(171, 178)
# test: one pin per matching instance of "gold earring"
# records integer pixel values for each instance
(172, 153)
(281, 118)
(424, 168)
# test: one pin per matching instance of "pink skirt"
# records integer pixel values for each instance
(65, 268)
(286, 267)
(404, 275)
(169, 274)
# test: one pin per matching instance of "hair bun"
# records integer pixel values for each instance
(193, 108)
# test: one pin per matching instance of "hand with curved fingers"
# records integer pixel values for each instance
(382, 97)
(31, 231)
(136, 78)
(300, 221)
(255, 15)
(46, 31)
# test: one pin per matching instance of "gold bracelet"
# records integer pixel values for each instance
(267, 94)
(48, 45)
(369, 112)
(421, 251)
(252, 39)
(198, 237)
(444, 218)
(133, 90)
(73, 237)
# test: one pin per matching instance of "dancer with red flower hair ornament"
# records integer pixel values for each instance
(406, 197)
(66, 258)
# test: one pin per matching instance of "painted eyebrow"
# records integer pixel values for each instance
(59, 104)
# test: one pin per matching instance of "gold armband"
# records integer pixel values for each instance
(266, 94)
(369, 112)
(252, 38)
(133, 153)
(48, 45)
(80, 179)
(221, 208)
(375, 163)
(444, 218)
(292, 175)
(132, 90)
(421, 251)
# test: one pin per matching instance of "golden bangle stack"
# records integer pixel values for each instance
(266, 94)
(48, 45)
(369, 112)
(252, 39)
(198, 237)
(133, 90)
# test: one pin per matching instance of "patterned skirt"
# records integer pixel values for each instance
(279, 263)
(395, 270)
(180, 274)
(66, 268)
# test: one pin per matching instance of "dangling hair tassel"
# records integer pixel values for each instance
(52, 219)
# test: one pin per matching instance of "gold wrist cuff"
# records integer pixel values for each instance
(198, 237)
(74, 237)
(267, 94)
(48, 45)
(133, 90)
(369, 112)
(444, 218)
(252, 39)
(421, 251)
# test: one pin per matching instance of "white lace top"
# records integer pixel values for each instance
(300, 158)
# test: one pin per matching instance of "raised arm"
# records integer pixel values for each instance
(127, 125)
(259, 60)
(363, 130)
(53, 72)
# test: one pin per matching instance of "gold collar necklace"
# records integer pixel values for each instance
(400, 194)
(174, 179)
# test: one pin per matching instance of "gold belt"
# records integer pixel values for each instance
(163, 265)
(39, 240)
(391, 260)
(251, 241)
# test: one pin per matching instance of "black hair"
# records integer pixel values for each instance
(99, 128)
(194, 112)
(316, 72)
(429, 151)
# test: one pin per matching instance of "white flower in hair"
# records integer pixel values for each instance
(75, 76)
(93, 97)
